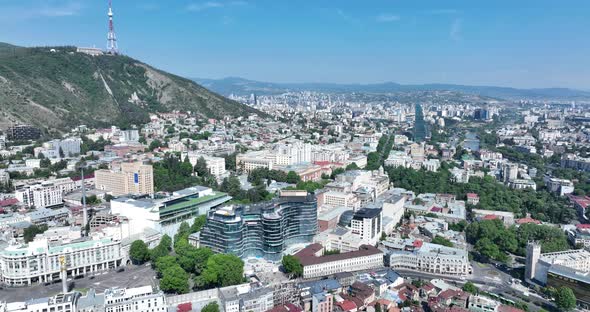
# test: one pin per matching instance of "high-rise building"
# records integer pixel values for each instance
(262, 230)
(23, 132)
(366, 223)
(126, 178)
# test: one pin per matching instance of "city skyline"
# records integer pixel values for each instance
(524, 45)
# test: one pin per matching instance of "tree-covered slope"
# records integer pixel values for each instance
(58, 88)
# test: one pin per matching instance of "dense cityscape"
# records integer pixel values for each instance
(316, 198)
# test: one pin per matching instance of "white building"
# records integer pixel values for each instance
(559, 186)
(4, 177)
(40, 195)
(367, 224)
(417, 255)
(140, 299)
(215, 165)
(165, 215)
(60, 302)
(69, 147)
(315, 265)
(39, 261)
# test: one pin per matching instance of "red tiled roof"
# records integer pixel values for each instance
(417, 243)
(582, 201)
(527, 220)
(490, 217)
(579, 226)
(347, 305)
(472, 195)
(8, 202)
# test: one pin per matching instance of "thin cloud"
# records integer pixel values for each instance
(68, 9)
(456, 29)
(387, 18)
(349, 19)
(202, 6)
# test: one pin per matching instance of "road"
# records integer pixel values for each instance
(491, 279)
(133, 276)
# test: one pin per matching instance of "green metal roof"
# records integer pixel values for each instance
(189, 202)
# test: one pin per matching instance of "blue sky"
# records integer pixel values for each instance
(518, 43)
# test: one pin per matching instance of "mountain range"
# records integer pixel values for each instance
(57, 88)
(241, 86)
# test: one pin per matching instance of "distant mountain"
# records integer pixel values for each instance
(240, 86)
(58, 88)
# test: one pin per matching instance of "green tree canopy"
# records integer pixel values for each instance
(211, 307)
(565, 299)
(223, 270)
(292, 265)
(174, 280)
(139, 252)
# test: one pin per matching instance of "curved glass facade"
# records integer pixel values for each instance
(263, 230)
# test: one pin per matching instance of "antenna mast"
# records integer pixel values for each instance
(112, 47)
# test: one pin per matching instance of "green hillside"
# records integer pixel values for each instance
(58, 88)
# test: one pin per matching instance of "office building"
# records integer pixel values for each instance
(262, 230)
(166, 214)
(367, 224)
(127, 178)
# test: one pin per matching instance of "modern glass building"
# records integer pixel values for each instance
(262, 230)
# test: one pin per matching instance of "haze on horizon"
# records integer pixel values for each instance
(527, 44)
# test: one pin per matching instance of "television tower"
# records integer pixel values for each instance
(111, 38)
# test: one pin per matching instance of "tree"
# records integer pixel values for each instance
(154, 144)
(292, 265)
(565, 299)
(470, 288)
(139, 252)
(223, 270)
(293, 177)
(211, 307)
(199, 223)
(201, 167)
(352, 166)
(32, 231)
(162, 250)
(439, 240)
(174, 280)
(61, 153)
(383, 236)
(182, 234)
(164, 263)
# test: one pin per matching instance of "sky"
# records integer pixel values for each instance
(517, 43)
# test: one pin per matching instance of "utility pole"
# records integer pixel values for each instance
(84, 209)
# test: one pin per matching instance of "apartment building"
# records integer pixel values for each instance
(40, 195)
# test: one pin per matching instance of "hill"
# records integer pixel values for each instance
(240, 86)
(58, 88)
